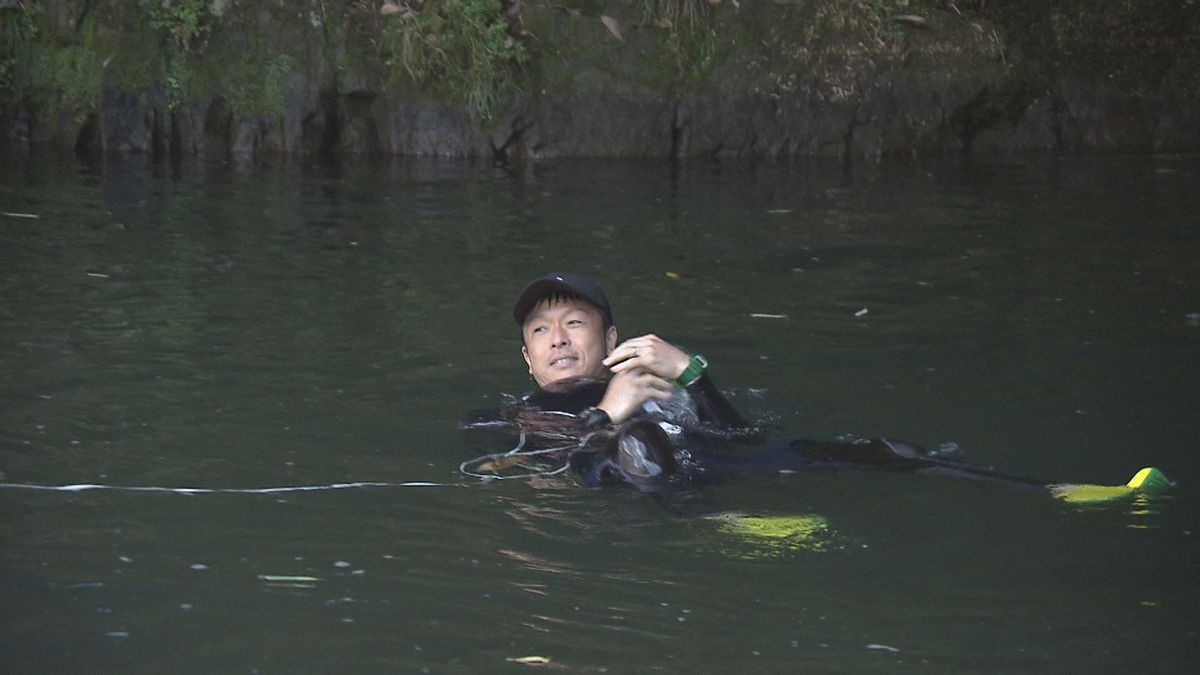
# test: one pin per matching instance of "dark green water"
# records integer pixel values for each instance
(248, 327)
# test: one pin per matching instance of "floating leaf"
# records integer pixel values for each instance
(672, 275)
(612, 26)
(502, 463)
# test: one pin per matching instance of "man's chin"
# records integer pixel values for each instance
(560, 375)
(565, 375)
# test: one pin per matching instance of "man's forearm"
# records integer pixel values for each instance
(711, 405)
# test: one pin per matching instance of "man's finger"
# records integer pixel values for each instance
(624, 358)
(659, 383)
(622, 353)
(660, 394)
(624, 364)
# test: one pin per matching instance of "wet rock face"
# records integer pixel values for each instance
(797, 78)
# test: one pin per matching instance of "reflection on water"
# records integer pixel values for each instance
(322, 329)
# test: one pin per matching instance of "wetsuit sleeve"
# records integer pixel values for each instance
(712, 407)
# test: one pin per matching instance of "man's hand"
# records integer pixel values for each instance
(649, 353)
(629, 389)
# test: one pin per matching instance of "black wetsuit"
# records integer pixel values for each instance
(640, 452)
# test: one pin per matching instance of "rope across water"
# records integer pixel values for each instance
(83, 487)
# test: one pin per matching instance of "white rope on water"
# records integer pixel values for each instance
(516, 452)
(477, 464)
(83, 487)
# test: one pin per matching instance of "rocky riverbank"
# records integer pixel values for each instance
(512, 79)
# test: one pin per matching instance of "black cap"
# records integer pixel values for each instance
(563, 283)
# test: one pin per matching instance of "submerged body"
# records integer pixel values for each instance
(628, 412)
(668, 444)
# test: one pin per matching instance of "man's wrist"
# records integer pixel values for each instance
(697, 364)
(594, 418)
(681, 366)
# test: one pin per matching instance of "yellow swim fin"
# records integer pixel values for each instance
(1147, 481)
(770, 536)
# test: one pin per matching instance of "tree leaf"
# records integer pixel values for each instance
(612, 26)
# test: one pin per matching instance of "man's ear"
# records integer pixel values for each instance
(610, 340)
(525, 355)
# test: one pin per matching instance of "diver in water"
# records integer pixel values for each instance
(627, 394)
(567, 333)
(627, 410)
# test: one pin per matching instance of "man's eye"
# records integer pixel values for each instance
(539, 329)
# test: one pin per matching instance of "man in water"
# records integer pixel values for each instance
(637, 390)
(567, 335)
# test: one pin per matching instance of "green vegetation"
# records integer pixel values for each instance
(1126, 44)
(478, 56)
(695, 41)
(64, 78)
(18, 29)
(182, 26)
(461, 49)
(258, 86)
(184, 22)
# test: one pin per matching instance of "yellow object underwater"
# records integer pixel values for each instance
(769, 536)
(1147, 481)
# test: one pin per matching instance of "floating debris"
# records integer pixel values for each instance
(882, 648)
(502, 463)
(911, 19)
(759, 315)
(778, 211)
(862, 312)
(285, 578)
(529, 660)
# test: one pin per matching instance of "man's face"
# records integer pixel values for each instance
(566, 338)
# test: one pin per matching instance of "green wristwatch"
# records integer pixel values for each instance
(695, 368)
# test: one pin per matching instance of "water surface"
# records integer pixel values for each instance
(244, 327)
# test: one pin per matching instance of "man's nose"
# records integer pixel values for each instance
(558, 337)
